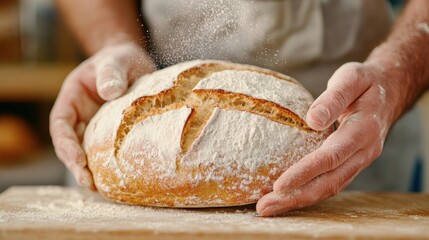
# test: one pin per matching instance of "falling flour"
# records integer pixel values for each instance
(212, 29)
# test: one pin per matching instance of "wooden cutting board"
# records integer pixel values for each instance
(64, 213)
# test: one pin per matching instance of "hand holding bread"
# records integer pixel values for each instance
(200, 134)
(104, 76)
(356, 96)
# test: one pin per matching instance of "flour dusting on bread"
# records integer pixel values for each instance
(200, 134)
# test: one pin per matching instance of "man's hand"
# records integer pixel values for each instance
(104, 76)
(366, 99)
(360, 98)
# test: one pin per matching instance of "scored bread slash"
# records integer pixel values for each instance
(200, 134)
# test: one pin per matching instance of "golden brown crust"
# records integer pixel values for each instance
(136, 177)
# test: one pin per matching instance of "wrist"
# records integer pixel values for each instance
(396, 77)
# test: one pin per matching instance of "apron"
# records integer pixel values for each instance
(305, 39)
(264, 33)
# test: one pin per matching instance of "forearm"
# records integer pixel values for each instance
(404, 56)
(99, 23)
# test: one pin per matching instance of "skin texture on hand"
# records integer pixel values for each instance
(366, 99)
(356, 96)
(111, 33)
(104, 76)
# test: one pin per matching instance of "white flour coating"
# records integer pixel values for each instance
(157, 137)
(257, 142)
(152, 84)
(397, 64)
(105, 127)
(102, 130)
(424, 27)
(382, 92)
(147, 85)
(212, 28)
(349, 214)
(88, 211)
(264, 33)
(262, 86)
(230, 137)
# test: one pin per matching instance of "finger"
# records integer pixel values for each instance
(78, 99)
(80, 130)
(66, 132)
(345, 86)
(321, 188)
(66, 143)
(338, 147)
(70, 152)
(72, 110)
(111, 79)
(85, 179)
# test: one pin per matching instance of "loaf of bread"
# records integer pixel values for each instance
(200, 134)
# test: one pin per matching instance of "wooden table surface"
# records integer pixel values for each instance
(65, 213)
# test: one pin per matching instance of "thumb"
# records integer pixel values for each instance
(111, 79)
(345, 86)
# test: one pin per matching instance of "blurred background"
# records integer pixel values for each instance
(36, 53)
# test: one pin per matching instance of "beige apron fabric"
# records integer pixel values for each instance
(307, 39)
(275, 34)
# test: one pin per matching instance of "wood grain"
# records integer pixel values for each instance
(55, 212)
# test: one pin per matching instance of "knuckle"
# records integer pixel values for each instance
(332, 189)
(332, 160)
(335, 155)
(69, 153)
(277, 187)
(377, 151)
(375, 137)
(298, 201)
(61, 148)
(107, 70)
(356, 75)
(354, 70)
(105, 74)
(338, 99)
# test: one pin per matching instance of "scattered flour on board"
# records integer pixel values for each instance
(271, 142)
(60, 209)
(56, 207)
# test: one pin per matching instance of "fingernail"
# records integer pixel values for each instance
(320, 115)
(81, 163)
(113, 84)
(85, 180)
(272, 211)
(81, 160)
(113, 88)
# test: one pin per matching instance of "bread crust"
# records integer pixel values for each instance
(200, 134)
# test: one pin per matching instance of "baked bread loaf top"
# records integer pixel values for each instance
(200, 134)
